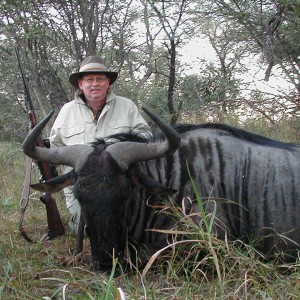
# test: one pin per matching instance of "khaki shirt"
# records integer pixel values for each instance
(75, 124)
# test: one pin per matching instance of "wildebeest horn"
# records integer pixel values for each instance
(61, 156)
(127, 153)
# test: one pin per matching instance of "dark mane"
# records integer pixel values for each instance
(97, 142)
(238, 133)
(183, 128)
(120, 137)
(127, 137)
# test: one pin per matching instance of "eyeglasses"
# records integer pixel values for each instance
(97, 79)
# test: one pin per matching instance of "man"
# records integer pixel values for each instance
(95, 112)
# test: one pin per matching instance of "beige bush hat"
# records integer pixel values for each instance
(92, 64)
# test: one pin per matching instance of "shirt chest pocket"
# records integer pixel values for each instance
(73, 135)
(119, 125)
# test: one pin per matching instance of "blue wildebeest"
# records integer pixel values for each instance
(113, 183)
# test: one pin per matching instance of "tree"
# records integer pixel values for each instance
(274, 28)
(141, 39)
(242, 34)
(174, 23)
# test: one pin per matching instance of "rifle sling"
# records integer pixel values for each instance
(25, 198)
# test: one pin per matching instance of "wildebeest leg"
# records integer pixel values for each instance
(80, 235)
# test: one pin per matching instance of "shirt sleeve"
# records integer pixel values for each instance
(55, 133)
(139, 125)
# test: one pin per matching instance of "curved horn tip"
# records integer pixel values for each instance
(172, 136)
(29, 142)
(149, 113)
(50, 113)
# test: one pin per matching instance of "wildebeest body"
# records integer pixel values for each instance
(254, 181)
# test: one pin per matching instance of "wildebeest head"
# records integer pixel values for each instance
(102, 183)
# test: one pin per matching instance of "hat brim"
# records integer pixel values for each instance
(73, 79)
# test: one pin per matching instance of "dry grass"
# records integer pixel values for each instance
(194, 268)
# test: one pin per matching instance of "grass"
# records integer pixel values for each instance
(195, 266)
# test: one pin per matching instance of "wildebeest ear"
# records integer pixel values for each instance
(151, 185)
(55, 184)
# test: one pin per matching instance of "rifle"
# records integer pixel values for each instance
(48, 171)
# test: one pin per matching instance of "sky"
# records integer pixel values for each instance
(199, 48)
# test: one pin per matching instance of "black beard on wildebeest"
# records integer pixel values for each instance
(113, 183)
(104, 216)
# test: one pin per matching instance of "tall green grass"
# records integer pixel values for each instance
(195, 266)
(222, 267)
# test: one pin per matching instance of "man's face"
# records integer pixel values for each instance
(94, 87)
